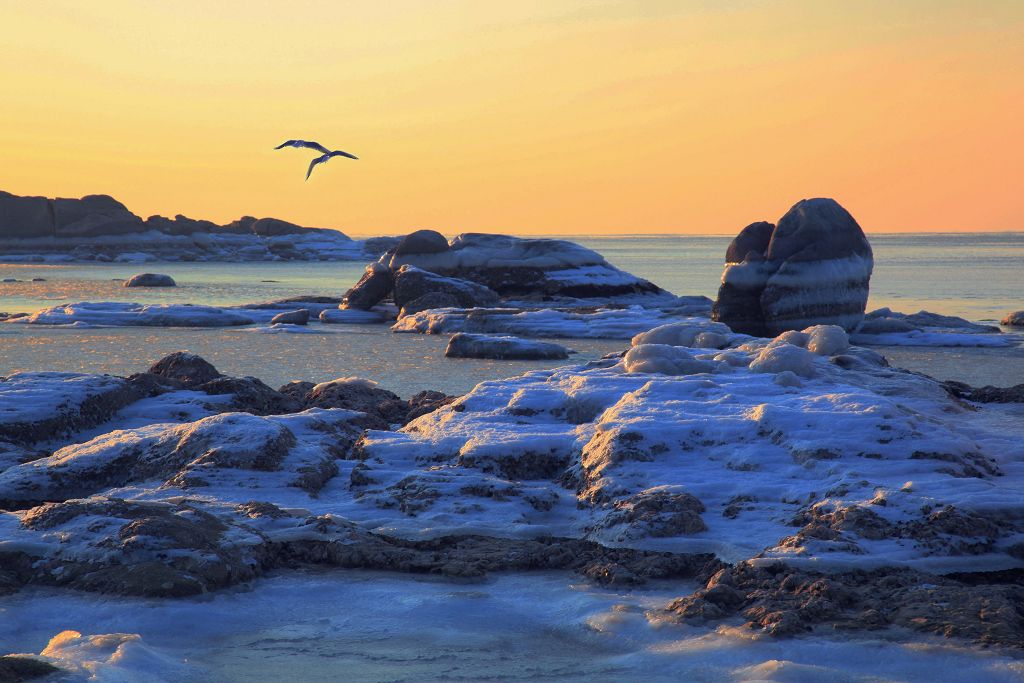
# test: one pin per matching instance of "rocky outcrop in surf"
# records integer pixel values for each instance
(813, 268)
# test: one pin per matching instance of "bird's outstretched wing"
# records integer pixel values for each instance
(304, 143)
(318, 160)
(338, 152)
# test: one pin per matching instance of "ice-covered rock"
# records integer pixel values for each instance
(466, 345)
(666, 360)
(519, 267)
(687, 333)
(120, 314)
(924, 328)
(350, 316)
(150, 280)
(600, 323)
(43, 405)
(412, 283)
(784, 357)
(812, 268)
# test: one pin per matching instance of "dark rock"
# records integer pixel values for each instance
(270, 227)
(22, 217)
(93, 215)
(18, 668)
(185, 367)
(375, 284)
(815, 271)
(427, 402)
(298, 317)
(411, 283)
(150, 280)
(359, 395)
(427, 302)
(181, 225)
(422, 242)
(752, 239)
(297, 390)
(252, 396)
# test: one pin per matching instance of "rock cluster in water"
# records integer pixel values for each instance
(100, 228)
(813, 268)
(424, 271)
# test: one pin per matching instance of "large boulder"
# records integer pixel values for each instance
(411, 283)
(519, 267)
(422, 242)
(150, 280)
(375, 284)
(25, 216)
(814, 269)
(93, 215)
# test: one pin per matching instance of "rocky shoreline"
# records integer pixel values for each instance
(98, 228)
(801, 482)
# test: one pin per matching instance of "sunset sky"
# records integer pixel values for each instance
(547, 116)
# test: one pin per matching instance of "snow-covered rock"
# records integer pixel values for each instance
(412, 283)
(813, 268)
(120, 314)
(886, 327)
(601, 323)
(466, 345)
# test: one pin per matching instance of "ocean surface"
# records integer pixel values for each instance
(978, 276)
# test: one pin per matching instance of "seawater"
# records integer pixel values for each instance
(977, 276)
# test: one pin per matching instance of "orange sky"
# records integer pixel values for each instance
(544, 116)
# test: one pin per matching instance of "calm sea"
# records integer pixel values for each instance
(977, 276)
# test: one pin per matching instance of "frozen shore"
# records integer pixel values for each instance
(798, 483)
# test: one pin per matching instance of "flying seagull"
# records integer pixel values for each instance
(327, 153)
